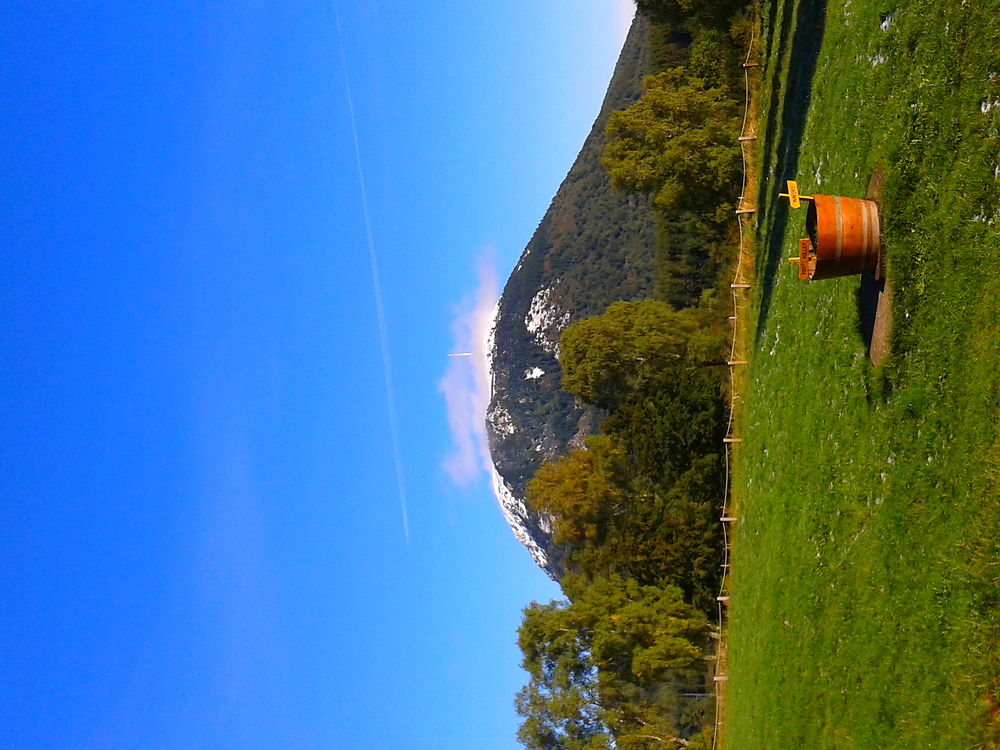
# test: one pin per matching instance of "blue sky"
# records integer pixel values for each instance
(201, 513)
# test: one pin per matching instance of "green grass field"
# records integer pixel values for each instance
(866, 563)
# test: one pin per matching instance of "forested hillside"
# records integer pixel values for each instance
(633, 510)
(635, 218)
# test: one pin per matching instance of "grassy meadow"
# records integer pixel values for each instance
(866, 562)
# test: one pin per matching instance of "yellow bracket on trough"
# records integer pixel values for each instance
(793, 194)
(803, 258)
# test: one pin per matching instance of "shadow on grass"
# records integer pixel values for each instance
(868, 296)
(806, 39)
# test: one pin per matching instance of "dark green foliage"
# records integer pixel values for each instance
(629, 350)
(668, 47)
(692, 251)
(691, 14)
(714, 60)
(673, 425)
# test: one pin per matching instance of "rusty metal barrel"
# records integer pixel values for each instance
(845, 235)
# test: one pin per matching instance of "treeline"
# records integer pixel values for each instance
(622, 662)
(677, 144)
(624, 656)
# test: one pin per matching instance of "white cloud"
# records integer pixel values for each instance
(466, 382)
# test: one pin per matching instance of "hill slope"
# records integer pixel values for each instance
(865, 601)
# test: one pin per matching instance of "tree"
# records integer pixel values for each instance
(642, 500)
(678, 142)
(713, 59)
(580, 491)
(609, 662)
(594, 659)
(638, 632)
(632, 345)
(559, 704)
(677, 419)
(647, 645)
(616, 517)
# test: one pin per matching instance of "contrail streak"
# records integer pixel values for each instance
(390, 391)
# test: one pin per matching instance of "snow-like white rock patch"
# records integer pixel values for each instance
(496, 416)
(534, 373)
(515, 511)
(545, 321)
(500, 420)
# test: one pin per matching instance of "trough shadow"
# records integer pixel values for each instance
(868, 297)
(805, 44)
(771, 125)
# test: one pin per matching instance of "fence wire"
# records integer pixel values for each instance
(745, 212)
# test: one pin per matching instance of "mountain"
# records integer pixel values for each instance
(594, 245)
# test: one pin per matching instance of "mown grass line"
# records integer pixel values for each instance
(865, 597)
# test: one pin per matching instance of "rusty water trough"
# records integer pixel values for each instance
(844, 237)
